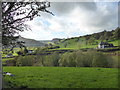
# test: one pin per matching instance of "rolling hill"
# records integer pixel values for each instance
(91, 40)
(31, 42)
(86, 41)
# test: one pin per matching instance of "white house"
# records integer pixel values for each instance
(30, 51)
(103, 45)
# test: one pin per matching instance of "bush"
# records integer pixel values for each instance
(116, 61)
(55, 57)
(52, 60)
(47, 60)
(39, 60)
(86, 59)
(90, 58)
(10, 63)
(25, 61)
(63, 60)
(101, 60)
(68, 59)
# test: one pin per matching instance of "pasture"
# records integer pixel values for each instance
(61, 77)
(82, 43)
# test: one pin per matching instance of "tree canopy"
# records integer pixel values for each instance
(14, 16)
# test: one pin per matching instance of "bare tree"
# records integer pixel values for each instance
(14, 16)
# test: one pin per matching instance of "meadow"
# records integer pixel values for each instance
(80, 66)
(61, 77)
(82, 43)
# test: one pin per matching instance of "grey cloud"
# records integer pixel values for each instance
(63, 8)
(95, 19)
(108, 20)
(119, 14)
(98, 18)
(89, 6)
(103, 21)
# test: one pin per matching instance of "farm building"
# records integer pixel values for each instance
(103, 45)
(30, 51)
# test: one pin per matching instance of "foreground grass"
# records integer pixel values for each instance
(61, 77)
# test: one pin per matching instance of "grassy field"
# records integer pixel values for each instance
(82, 43)
(61, 77)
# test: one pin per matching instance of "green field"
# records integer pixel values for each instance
(82, 43)
(61, 77)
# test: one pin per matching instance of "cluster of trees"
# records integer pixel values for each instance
(104, 36)
(88, 59)
(68, 59)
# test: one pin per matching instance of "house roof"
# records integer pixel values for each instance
(105, 43)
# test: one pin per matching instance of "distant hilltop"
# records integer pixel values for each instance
(109, 38)
(31, 42)
(56, 40)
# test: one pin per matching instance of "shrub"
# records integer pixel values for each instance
(116, 61)
(90, 58)
(39, 60)
(76, 59)
(10, 63)
(55, 56)
(100, 60)
(86, 59)
(68, 59)
(64, 59)
(52, 60)
(25, 61)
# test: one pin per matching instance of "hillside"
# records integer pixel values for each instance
(92, 40)
(45, 41)
(31, 42)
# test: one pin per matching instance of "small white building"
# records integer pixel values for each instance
(30, 51)
(103, 45)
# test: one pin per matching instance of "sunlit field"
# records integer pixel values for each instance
(61, 77)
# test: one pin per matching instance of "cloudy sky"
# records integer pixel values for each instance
(73, 19)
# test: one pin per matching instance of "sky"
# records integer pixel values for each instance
(73, 19)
